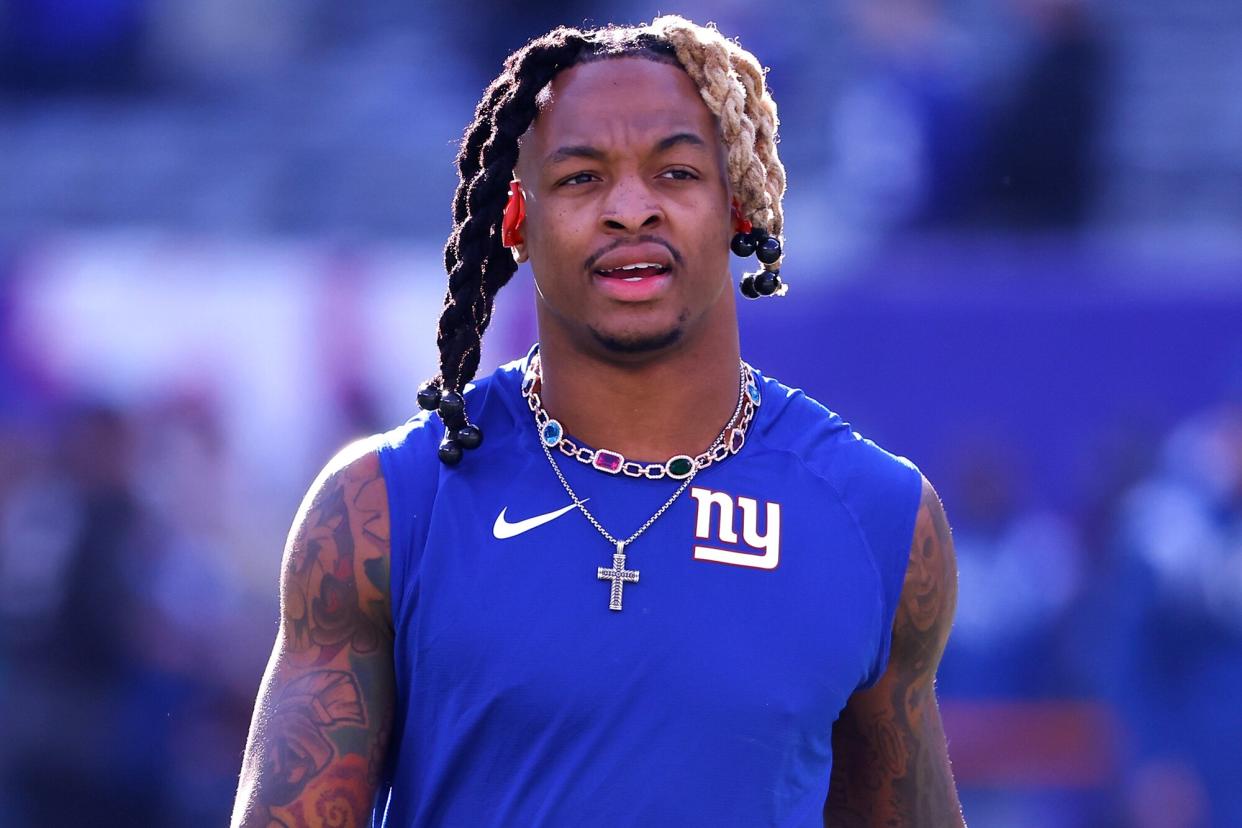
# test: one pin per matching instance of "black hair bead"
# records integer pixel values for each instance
(468, 436)
(452, 407)
(743, 245)
(747, 287)
(429, 396)
(450, 452)
(768, 251)
(768, 282)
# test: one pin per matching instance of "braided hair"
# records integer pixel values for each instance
(731, 82)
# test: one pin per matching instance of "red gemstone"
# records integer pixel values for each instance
(608, 461)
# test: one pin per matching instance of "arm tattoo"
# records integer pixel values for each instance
(322, 563)
(299, 750)
(890, 762)
(319, 740)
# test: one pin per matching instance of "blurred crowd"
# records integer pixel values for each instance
(129, 648)
(1133, 603)
(143, 500)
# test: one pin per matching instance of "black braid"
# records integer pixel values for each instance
(477, 263)
(468, 162)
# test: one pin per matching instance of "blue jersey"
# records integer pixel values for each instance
(765, 597)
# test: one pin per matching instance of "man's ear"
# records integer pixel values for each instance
(512, 222)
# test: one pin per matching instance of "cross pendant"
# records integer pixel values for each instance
(618, 574)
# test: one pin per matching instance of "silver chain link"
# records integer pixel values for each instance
(719, 441)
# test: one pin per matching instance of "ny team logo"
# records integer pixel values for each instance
(716, 520)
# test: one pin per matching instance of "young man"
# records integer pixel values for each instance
(540, 629)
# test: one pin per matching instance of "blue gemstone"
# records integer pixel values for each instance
(752, 391)
(551, 433)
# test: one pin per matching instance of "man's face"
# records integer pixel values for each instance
(622, 167)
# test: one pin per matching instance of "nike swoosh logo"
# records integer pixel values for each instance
(504, 529)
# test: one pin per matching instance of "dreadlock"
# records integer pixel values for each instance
(731, 82)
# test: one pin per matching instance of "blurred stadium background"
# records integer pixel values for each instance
(1015, 245)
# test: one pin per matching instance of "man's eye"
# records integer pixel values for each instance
(579, 178)
(680, 175)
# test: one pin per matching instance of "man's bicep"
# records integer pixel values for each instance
(320, 727)
(890, 760)
(928, 597)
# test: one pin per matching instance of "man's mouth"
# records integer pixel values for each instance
(634, 272)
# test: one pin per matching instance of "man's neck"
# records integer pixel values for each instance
(675, 402)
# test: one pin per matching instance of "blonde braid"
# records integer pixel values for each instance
(731, 82)
(761, 109)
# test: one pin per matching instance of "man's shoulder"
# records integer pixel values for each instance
(408, 453)
(489, 403)
(358, 458)
(825, 442)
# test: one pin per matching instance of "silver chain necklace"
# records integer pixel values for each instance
(728, 441)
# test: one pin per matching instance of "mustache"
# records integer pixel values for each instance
(603, 251)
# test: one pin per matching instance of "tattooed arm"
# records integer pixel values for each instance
(890, 761)
(320, 728)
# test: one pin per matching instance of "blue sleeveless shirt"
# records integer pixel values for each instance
(766, 596)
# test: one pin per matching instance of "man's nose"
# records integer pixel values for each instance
(631, 208)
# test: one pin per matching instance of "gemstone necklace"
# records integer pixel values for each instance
(730, 441)
(678, 467)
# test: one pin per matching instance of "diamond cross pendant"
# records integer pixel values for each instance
(618, 574)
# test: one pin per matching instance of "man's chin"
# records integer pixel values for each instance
(630, 342)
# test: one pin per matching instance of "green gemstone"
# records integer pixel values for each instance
(680, 466)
